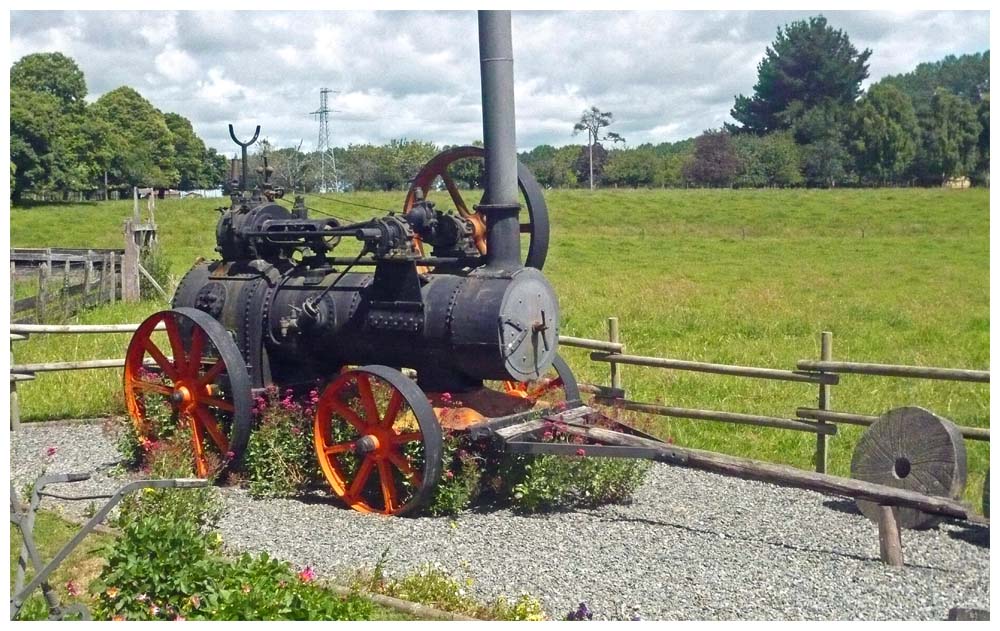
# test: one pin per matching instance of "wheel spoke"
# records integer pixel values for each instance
(392, 411)
(212, 427)
(197, 345)
(216, 402)
(407, 437)
(197, 441)
(339, 448)
(175, 341)
(456, 196)
(347, 414)
(388, 485)
(148, 386)
(361, 477)
(404, 466)
(212, 373)
(161, 360)
(367, 398)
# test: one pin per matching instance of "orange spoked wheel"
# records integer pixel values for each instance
(378, 441)
(557, 386)
(189, 379)
(534, 231)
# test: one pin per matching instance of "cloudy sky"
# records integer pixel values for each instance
(666, 76)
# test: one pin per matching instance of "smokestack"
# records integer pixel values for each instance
(500, 200)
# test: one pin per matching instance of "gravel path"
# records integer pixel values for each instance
(693, 545)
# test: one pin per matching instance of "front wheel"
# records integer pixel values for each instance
(378, 441)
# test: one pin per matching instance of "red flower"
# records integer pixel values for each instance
(72, 589)
(50, 451)
(307, 575)
(581, 452)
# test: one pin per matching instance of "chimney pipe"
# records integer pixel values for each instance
(500, 199)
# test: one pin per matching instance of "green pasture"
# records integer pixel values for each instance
(744, 277)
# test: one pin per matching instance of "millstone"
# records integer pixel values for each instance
(914, 449)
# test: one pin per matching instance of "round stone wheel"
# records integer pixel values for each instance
(914, 449)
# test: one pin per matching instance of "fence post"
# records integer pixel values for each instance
(135, 203)
(113, 278)
(616, 377)
(130, 265)
(13, 277)
(43, 292)
(64, 298)
(88, 277)
(822, 440)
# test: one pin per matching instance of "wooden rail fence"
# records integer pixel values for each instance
(70, 279)
(824, 373)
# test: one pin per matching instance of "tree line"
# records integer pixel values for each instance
(807, 123)
(60, 143)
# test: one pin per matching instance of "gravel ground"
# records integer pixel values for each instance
(693, 546)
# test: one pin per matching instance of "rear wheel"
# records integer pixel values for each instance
(190, 379)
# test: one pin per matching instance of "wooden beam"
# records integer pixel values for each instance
(70, 329)
(783, 475)
(719, 369)
(895, 370)
(595, 345)
(890, 544)
(723, 417)
(972, 433)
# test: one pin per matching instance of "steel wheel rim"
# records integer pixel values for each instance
(202, 382)
(378, 441)
(534, 391)
(537, 226)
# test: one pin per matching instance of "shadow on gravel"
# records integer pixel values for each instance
(848, 507)
(776, 544)
(976, 534)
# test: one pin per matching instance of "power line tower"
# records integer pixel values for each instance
(323, 143)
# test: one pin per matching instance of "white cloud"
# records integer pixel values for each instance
(665, 75)
(176, 65)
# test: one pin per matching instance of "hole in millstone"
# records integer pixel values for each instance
(902, 468)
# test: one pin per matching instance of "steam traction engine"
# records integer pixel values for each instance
(443, 295)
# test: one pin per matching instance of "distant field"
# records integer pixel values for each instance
(744, 277)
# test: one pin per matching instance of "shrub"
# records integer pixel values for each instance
(280, 458)
(460, 480)
(154, 262)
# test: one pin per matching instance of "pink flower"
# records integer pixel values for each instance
(296, 430)
(547, 436)
(72, 589)
(230, 455)
(307, 575)
(180, 618)
(449, 474)
(50, 451)
(446, 396)
(581, 452)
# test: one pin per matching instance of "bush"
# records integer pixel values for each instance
(460, 481)
(167, 564)
(154, 262)
(280, 458)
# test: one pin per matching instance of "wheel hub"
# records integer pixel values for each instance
(181, 397)
(367, 444)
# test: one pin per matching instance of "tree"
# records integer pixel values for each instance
(983, 165)
(632, 167)
(54, 74)
(142, 143)
(967, 76)
(767, 161)
(714, 162)
(592, 121)
(589, 164)
(949, 135)
(189, 152)
(809, 63)
(884, 134)
(820, 133)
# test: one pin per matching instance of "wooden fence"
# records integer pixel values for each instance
(70, 279)
(823, 373)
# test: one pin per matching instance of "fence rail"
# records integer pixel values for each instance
(820, 420)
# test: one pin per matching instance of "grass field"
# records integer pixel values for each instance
(743, 277)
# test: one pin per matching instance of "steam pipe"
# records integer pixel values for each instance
(500, 201)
